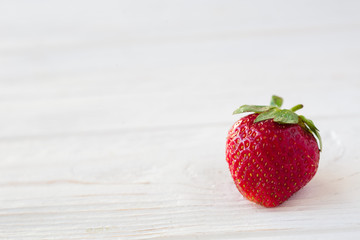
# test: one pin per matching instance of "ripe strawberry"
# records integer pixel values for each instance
(272, 153)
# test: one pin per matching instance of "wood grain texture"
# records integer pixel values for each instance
(114, 116)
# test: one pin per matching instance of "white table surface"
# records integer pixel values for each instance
(114, 114)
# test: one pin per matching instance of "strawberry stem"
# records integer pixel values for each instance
(297, 107)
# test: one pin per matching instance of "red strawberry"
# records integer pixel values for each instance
(272, 153)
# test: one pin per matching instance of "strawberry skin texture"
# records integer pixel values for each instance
(269, 161)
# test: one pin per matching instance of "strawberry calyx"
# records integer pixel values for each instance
(282, 116)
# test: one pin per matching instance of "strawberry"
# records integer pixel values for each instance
(272, 153)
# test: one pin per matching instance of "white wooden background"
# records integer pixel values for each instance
(114, 114)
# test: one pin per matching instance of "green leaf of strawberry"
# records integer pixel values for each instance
(312, 128)
(251, 108)
(286, 116)
(276, 101)
(266, 115)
